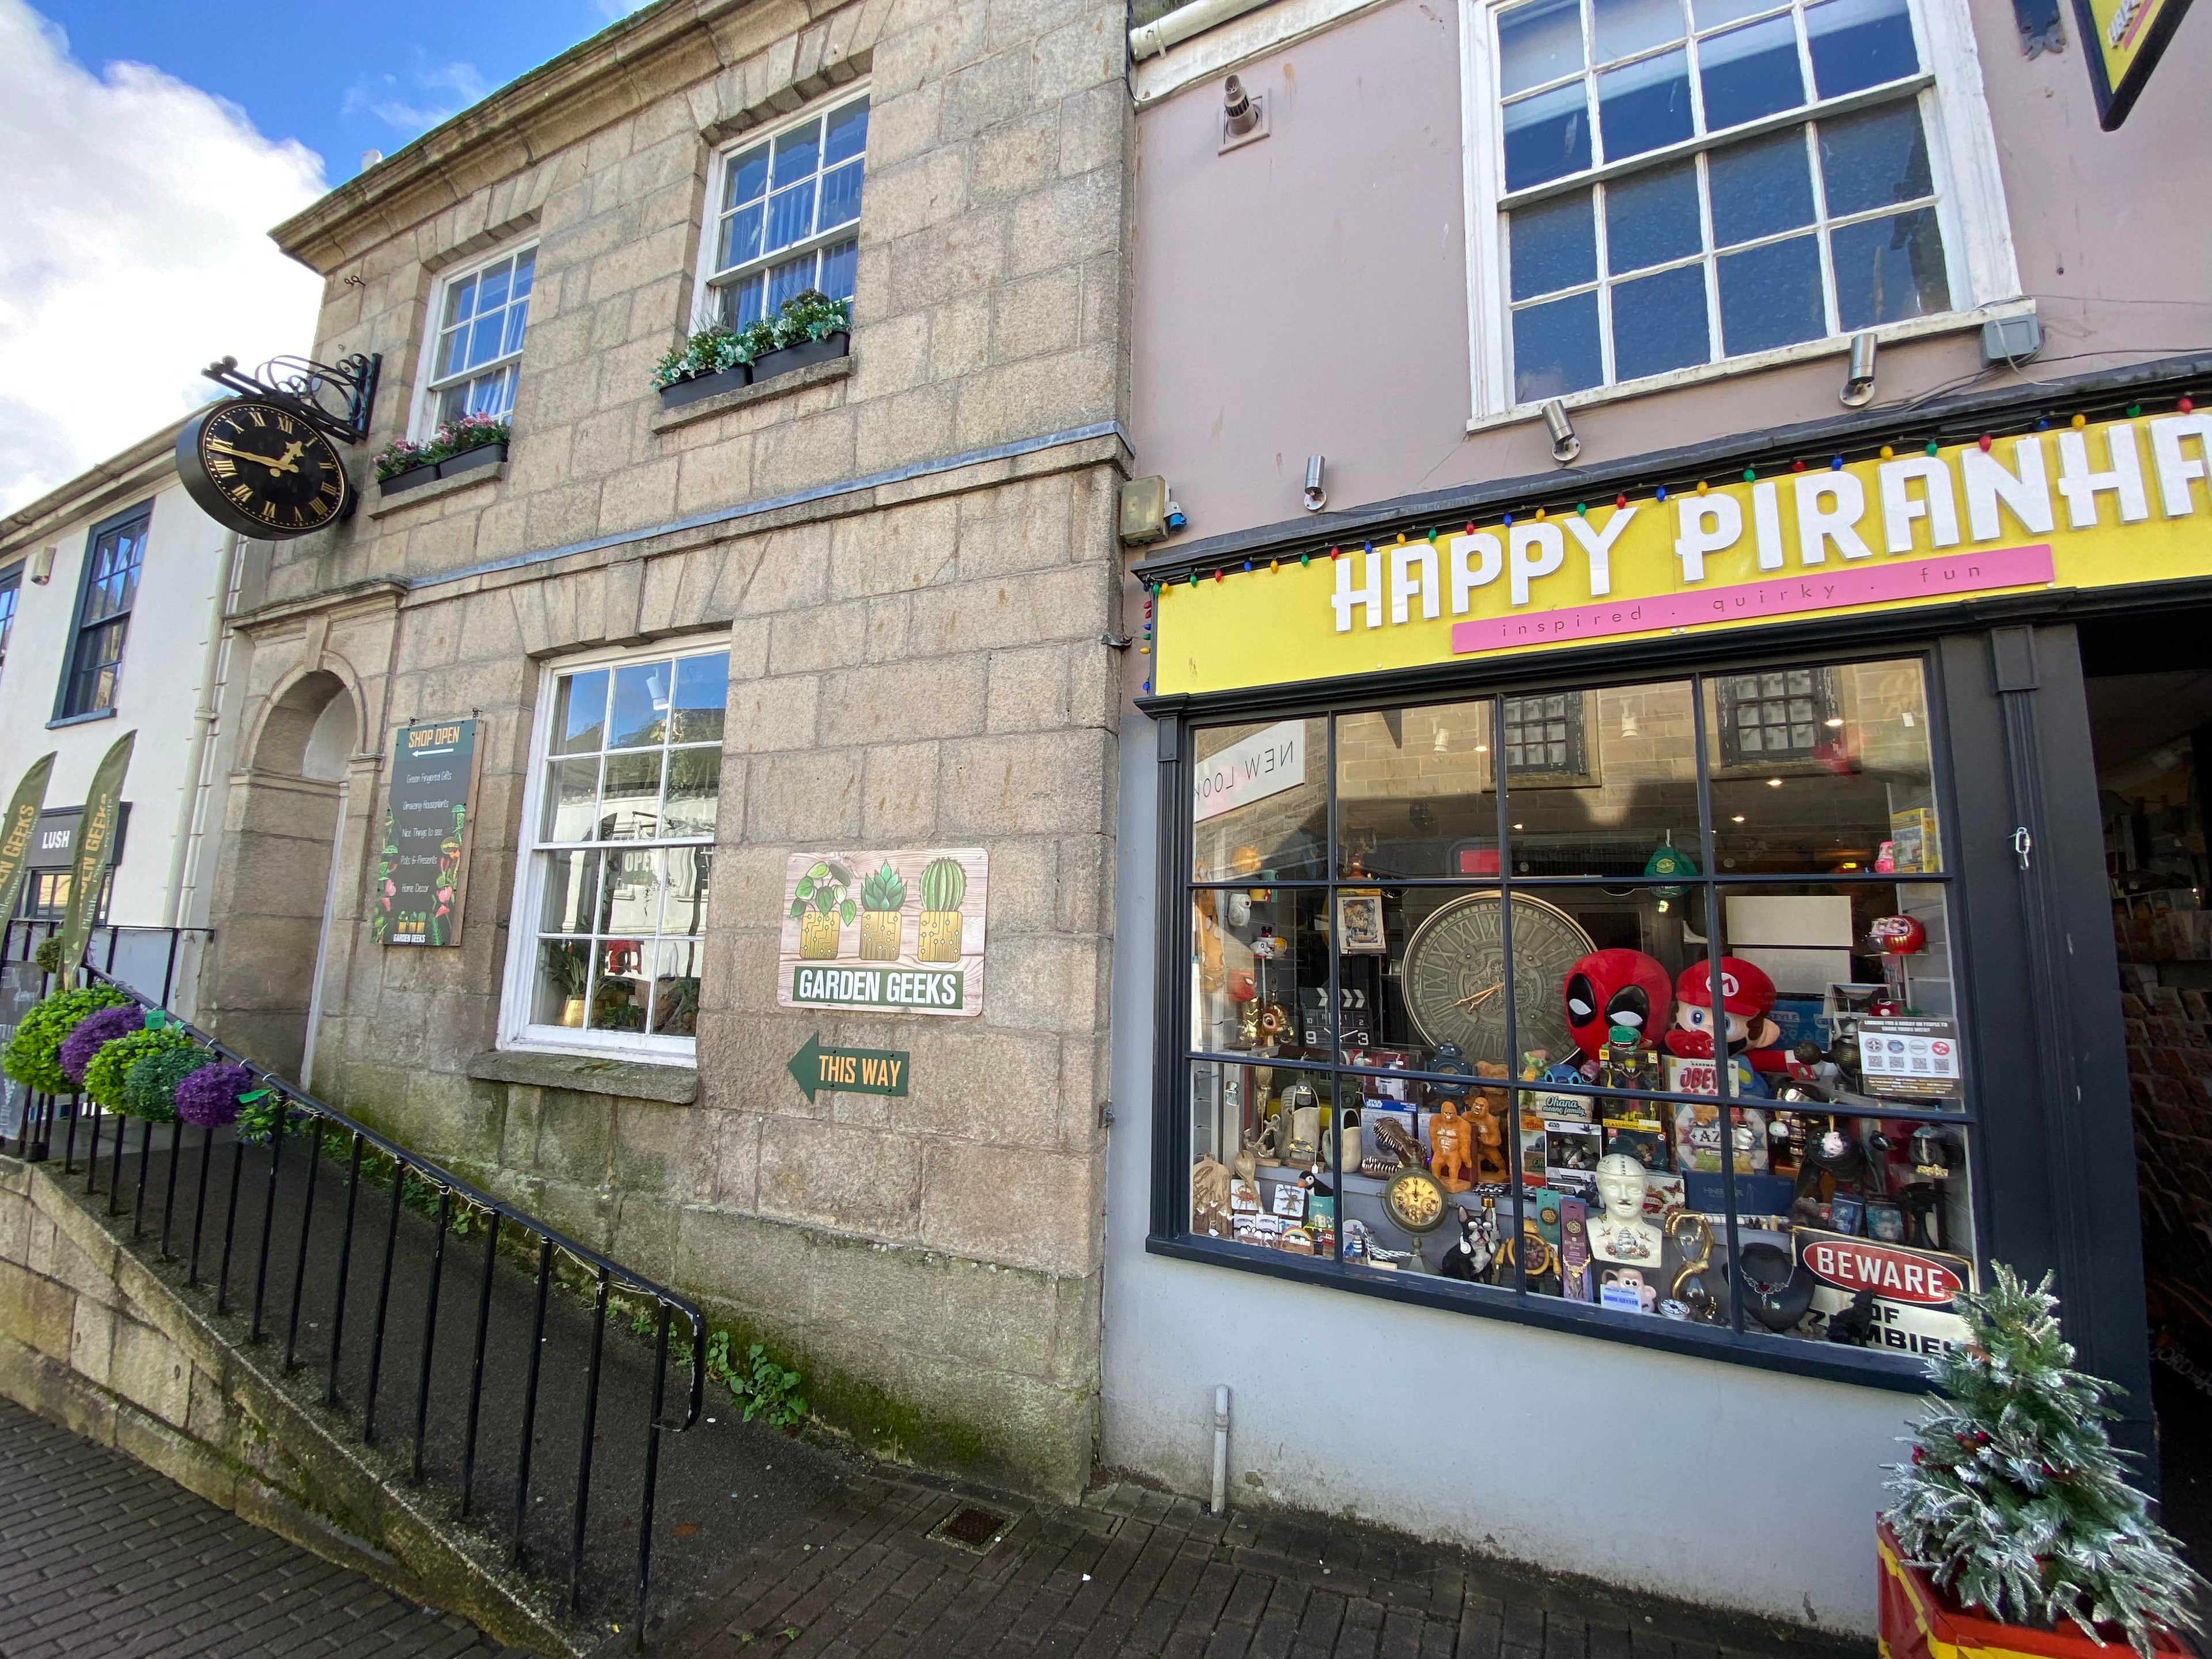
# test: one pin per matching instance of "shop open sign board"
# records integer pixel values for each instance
(896, 932)
(422, 868)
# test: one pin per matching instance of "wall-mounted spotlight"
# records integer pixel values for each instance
(1317, 497)
(1564, 445)
(42, 564)
(1858, 382)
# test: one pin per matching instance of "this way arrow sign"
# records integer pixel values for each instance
(855, 1070)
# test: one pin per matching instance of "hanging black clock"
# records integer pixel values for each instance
(1455, 975)
(257, 467)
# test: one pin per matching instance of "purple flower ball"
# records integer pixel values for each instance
(95, 1032)
(209, 1096)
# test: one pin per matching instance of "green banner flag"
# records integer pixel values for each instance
(16, 831)
(96, 845)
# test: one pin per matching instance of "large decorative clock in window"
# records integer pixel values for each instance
(1454, 975)
(260, 469)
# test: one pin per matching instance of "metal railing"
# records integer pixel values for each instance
(301, 1114)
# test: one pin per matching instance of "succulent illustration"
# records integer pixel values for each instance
(943, 885)
(883, 890)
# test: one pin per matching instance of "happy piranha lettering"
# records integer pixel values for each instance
(1906, 504)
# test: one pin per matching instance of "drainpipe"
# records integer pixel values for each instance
(1150, 39)
(1221, 1449)
(191, 815)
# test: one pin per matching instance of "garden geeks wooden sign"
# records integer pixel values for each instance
(888, 931)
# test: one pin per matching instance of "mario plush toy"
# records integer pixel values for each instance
(1747, 998)
(1608, 988)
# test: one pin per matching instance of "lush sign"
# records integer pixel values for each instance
(895, 931)
(421, 871)
(2117, 503)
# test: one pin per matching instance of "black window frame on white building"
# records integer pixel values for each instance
(107, 591)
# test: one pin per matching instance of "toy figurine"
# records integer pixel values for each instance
(1450, 1140)
(1621, 1233)
(1747, 1000)
(1209, 1198)
(1609, 988)
(1390, 1137)
(1469, 1259)
(1487, 1131)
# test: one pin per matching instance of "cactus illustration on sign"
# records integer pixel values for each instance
(943, 885)
(883, 906)
(821, 909)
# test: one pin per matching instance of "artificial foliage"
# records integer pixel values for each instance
(261, 1112)
(48, 956)
(455, 437)
(95, 1032)
(150, 1087)
(209, 1096)
(811, 314)
(33, 1054)
(109, 1069)
(709, 351)
(2015, 1501)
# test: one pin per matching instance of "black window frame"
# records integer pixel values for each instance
(136, 521)
(11, 599)
(1170, 1232)
(1726, 702)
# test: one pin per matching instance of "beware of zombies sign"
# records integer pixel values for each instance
(1912, 1288)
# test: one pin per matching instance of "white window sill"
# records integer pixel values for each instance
(1835, 345)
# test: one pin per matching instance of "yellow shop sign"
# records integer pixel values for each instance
(2115, 504)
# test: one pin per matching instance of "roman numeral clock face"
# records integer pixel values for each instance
(263, 471)
(1455, 975)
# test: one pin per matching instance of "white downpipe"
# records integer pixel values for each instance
(1221, 1449)
(214, 674)
(1150, 39)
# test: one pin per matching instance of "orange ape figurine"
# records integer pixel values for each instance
(1450, 1142)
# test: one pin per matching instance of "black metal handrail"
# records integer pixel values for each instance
(35, 1145)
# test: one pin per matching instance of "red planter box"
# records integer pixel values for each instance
(1920, 1621)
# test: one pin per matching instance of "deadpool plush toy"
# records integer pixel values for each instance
(1616, 988)
(1747, 998)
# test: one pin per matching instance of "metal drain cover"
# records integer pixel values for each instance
(970, 1528)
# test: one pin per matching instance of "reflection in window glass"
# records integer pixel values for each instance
(1260, 801)
(1374, 1084)
(790, 191)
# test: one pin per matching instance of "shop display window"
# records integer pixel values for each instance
(1441, 1031)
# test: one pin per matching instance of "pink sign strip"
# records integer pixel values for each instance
(1790, 596)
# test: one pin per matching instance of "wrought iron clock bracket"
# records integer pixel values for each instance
(337, 399)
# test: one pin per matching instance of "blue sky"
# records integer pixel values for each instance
(339, 78)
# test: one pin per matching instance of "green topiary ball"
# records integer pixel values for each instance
(150, 1087)
(48, 956)
(103, 1077)
(33, 1054)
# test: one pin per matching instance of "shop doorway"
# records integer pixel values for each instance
(2149, 685)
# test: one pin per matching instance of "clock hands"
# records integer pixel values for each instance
(288, 462)
(1470, 1004)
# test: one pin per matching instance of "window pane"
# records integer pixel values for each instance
(525, 267)
(1645, 105)
(792, 276)
(1546, 136)
(517, 317)
(791, 215)
(1554, 246)
(1622, 28)
(1626, 783)
(840, 195)
(1538, 43)
(839, 262)
(452, 402)
(1871, 159)
(797, 153)
(485, 336)
(741, 301)
(1890, 267)
(748, 177)
(1771, 296)
(703, 688)
(1413, 794)
(1555, 348)
(453, 353)
(687, 872)
(695, 777)
(572, 790)
(572, 892)
(630, 894)
(580, 712)
(461, 301)
(1823, 776)
(1652, 217)
(1760, 188)
(1659, 323)
(675, 966)
(563, 980)
(847, 135)
(641, 707)
(1859, 43)
(1260, 801)
(620, 988)
(1711, 14)
(1750, 72)
(629, 802)
(491, 287)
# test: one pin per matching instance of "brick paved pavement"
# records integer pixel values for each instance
(1135, 1574)
(99, 1554)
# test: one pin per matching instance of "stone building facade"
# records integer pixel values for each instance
(907, 554)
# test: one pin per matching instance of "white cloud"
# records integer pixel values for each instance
(135, 251)
(432, 93)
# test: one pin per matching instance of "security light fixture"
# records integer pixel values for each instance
(1858, 383)
(1317, 497)
(1564, 445)
(42, 564)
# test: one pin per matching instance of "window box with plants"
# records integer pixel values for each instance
(714, 360)
(810, 328)
(457, 447)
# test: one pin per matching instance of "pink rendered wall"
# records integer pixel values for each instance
(1307, 292)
